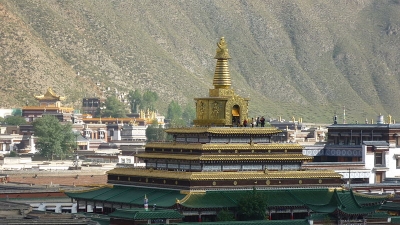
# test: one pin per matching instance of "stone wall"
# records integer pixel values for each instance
(54, 178)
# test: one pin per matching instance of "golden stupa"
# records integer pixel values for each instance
(216, 153)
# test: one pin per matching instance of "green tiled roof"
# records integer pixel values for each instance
(364, 199)
(395, 220)
(344, 202)
(141, 214)
(130, 195)
(318, 200)
(390, 206)
(274, 198)
(379, 215)
(254, 222)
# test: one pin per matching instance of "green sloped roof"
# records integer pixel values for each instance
(395, 220)
(343, 202)
(141, 214)
(313, 196)
(210, 199)
(89, 194)
(379, 215)
(364, 199)
(130, 195)
(390, 206)
(254, 222)
(274, 198)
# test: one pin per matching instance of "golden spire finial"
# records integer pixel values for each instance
(222, 50)
(222, 78)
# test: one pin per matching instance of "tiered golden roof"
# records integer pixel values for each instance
(230, 157)
(49, 95)
(225, 130)
(240, 175)
(225, 147)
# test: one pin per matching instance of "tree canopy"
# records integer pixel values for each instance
(54, 138)
(149, 100)
(155, 133)
(188, 115)
(252, 206)
(112, 108)
(14, 120)
(135, 99)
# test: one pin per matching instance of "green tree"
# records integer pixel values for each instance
(135, 99)
(13, 154)
(112, 108)
(1, 120)
(15, 120)
(188, 115)
(225, 215)
(155, 133)
(174, 113)
(148, 100)
(17, 112)
(252, 206)
(54, 138)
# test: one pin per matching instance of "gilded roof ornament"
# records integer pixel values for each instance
(222, 50)
(222, 78)
(49, 95)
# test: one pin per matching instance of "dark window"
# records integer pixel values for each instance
(379, 160)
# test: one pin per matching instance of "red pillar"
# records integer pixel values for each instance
(291, 214)
(199, 217)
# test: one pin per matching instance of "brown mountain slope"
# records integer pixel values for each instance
(292, 58)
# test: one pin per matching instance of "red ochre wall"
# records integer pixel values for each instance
(54, 178)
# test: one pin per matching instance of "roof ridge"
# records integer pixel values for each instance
(354, 198)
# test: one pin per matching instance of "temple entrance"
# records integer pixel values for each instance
(236, 115)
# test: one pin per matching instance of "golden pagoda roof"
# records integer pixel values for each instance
(231, 157)
(224, 147)
(240, 175)
(224, 130)
(49, 95)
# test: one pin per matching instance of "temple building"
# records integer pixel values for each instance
(210, 166)
(49, 104)
(217, 153)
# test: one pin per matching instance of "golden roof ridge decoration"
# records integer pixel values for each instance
(49, 95)
(224, 146)
(224, 130)
(239, 175)
(233, 157)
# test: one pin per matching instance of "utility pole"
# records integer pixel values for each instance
(349, 180)
(76, 151)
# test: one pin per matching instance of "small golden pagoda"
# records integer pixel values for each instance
(215, 154)
(49, 99)
(223, 107)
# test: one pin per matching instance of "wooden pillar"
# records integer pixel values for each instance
(291, 214)
(270, 215)
(199, 220)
